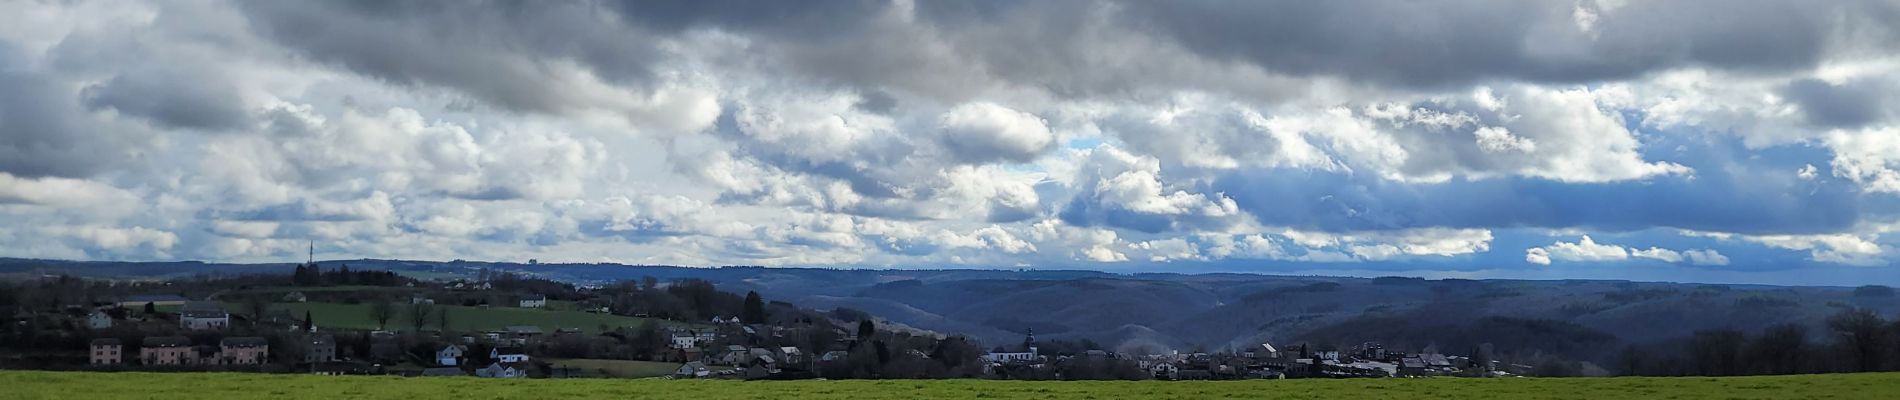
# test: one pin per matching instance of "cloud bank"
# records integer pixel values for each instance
(1164, 136)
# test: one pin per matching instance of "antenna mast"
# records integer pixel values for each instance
(313, 252)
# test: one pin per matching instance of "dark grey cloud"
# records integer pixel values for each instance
(43, 131)
(174, 99)
(1848, 105)
(497, 51)
(1441, 44)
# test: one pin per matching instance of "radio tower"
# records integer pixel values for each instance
(313, 253)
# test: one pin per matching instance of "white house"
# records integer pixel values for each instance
(202, 315)
(418, 298)
(502, 370)
(450, 355)
(692, 370)
(508, 355)
(98, 320)
(534, 301)
(683, 340)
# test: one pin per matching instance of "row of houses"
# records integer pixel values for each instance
(179, 351)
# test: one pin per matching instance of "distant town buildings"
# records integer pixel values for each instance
(203, 315)
(106, 352)
(534, 301)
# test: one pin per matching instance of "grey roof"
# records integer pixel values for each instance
(154, 298)
(524, 329)
(534, 297)
(105, 342)
(509, 350)
(244, 342)
(203, 309)
(166, 341)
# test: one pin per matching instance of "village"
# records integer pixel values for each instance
(503, 326)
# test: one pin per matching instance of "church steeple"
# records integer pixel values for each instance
(1029, 341)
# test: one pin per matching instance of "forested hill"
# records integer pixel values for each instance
(1582, 319)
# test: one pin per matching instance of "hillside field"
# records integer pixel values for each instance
(208, 386)
(461, 319)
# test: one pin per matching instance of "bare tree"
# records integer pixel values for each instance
(1859, 333)
(257, 305)
(381, 310)
(419, 314)
(442, 319)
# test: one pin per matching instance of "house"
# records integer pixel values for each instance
(791, 355)
(443, 371)
(734, 355)
(719, 320)
(1165, 371)
(450, 355)
(503, 370)
(681, 340)
(524, 331)
(508, 355)
(834, 355)
(295, 297)
(243, 351)
(98, 320)
(534, 301)
(418, 298)
(156, 300)
(203, 315)
(166, 350)
(322, 349)
(693, 369)
(106, 351)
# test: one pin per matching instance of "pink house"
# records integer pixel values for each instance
(243, 351)
(106, 351)
(166, 350)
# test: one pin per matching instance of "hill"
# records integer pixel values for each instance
(1580, 319)
(200, 386)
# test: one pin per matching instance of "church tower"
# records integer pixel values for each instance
(1029, 342)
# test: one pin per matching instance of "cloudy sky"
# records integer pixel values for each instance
(1715, 141)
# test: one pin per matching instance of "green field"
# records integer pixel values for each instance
(201, 386)
(461, 318)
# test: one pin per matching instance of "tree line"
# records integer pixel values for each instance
(1853, 340)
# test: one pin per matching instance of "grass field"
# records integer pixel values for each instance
(461, 319)
(200, 386)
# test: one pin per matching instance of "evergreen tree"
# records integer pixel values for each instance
(866, 329)
(754, 308)
(308, 325)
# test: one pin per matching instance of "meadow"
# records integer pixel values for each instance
(211, 386)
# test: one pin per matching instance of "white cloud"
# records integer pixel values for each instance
(1869, 157)
(1584, 250)
(987, 132)
(1659, 254)
(1705, 257)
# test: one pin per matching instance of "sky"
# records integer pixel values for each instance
(1697, 140)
